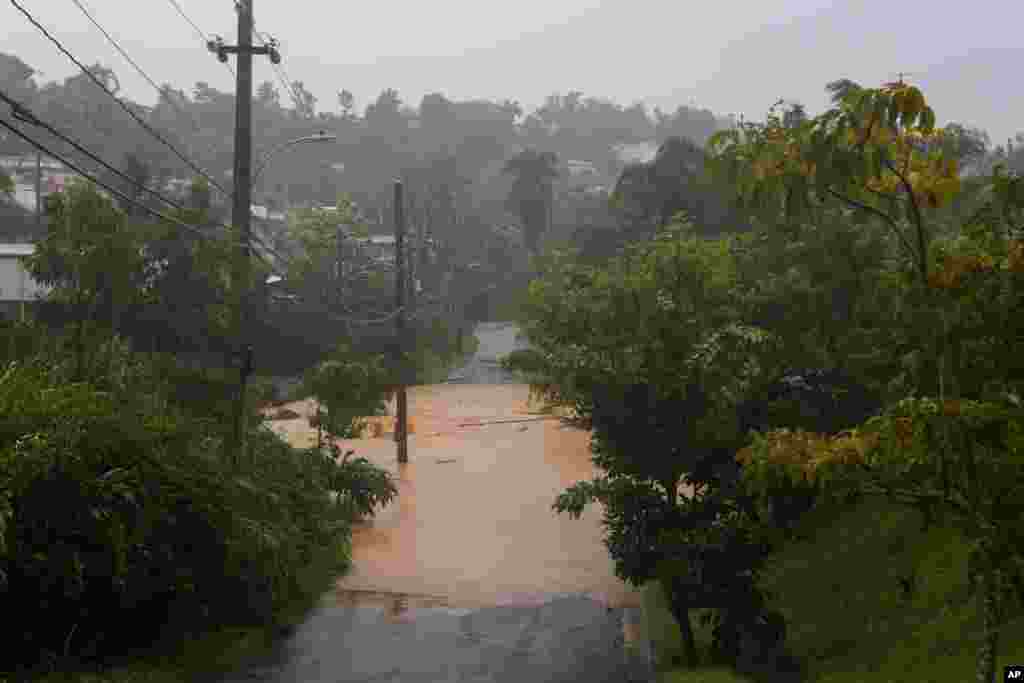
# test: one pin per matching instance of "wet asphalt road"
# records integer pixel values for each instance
(570, 638)
(496, 340)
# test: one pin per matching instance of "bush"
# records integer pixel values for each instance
(120, 519)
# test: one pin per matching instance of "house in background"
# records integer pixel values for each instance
(18, 225)
(22, 168)
(380, 248)
(18, 291)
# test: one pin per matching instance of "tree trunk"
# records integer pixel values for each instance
(986, 668)
(682, 617)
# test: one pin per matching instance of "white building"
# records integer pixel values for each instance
(17, 287)
(637, 153)
(380, 247)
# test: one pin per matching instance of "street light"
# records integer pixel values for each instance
(265, 159)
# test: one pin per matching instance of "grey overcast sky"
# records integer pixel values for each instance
(731, 57)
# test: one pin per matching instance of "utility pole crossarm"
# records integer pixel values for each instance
(222, 51)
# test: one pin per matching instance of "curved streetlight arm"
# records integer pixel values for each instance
(266, 158)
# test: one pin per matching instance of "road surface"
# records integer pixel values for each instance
(496, 340)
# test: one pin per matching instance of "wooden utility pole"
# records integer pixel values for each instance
(241, 213)
(401, 412)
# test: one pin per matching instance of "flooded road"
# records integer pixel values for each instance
(469, 575)
(472, 522)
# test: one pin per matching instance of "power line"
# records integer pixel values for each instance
(27, 115)
(181, 224)
(85, 70)
(31, 118)
(142, 72)
(93, 179)
(190, 228)
(282, 76)
(203, 35)
(23, 113)
(116, 45)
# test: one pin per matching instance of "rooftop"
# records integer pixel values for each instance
(11, 250)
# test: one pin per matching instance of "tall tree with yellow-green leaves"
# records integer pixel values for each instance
(955, 445)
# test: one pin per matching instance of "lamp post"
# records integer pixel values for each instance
(267, 157)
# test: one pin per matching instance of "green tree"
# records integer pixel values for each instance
(347, 103)
(953, 444)
(648, 196)
(532, 193)
(317, 233)
(350, 386)
(6, 185)
(303, 101)
(608, 342)
(91, 260)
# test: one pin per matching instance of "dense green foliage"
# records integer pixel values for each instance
(869, 594)
(119, 513)
(121, 521)
(662, 400)
(873, 275)
(947, 440)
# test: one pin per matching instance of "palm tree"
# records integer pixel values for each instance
(532, 194)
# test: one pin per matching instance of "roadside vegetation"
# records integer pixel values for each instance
(128, 522)
(868, 596)
(795, 342)
(810, 429)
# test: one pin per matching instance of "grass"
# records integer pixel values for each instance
(849, 619)
(847, 615)
(667, 642)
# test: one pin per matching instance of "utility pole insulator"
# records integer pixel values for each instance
(217, 47)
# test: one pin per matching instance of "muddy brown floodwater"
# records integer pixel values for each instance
(472, 525)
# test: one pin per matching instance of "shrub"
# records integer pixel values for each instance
(119, 518)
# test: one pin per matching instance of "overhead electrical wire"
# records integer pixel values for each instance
(203, 35)
(85, 70)
(142, 72)
(190, 228)
(27, 115)
(117, 46)
(282, 77)
(23, 113)
(170, 219)
(279, 71)
(96, 181)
